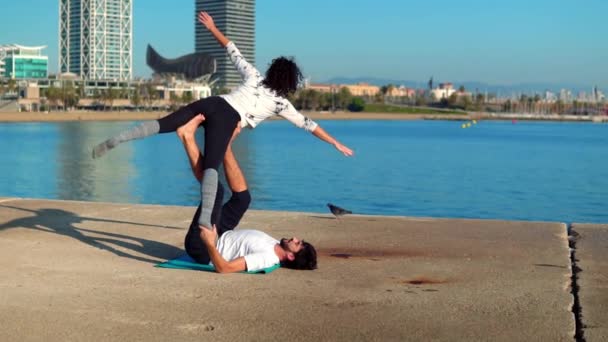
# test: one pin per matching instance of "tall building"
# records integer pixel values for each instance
(23, 62)
(96, 38)
(236, 19)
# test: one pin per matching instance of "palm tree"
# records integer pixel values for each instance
(452, 100)
(69, 95)
(52, 95)
(12, 85)
(187, 97)
(421, 99)
(174, 100)
(386, 90)
(344, 98)
(151, 95)
(136, 97)
(478, 101)
(97, 96)
(109, 96)
(81, 91)
(324, 100)
(315, 99)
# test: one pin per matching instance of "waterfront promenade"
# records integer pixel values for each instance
(78, 271)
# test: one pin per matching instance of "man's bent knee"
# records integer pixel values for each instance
(243, 198)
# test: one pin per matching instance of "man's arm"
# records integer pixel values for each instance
(186, 135)
(234, 175)
(209, 236)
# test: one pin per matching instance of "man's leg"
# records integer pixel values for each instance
(233, 211)
(237, 205)
(219, 127)
(195, 247)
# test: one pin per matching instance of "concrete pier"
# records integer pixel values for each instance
(77, 271)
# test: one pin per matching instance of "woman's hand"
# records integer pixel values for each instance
(205, 19)
(345, 150)
(320, 133)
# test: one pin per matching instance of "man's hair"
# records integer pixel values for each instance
(305, 259)
(283, 76)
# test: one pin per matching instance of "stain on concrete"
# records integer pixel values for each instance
(369, 253)
(423, 281)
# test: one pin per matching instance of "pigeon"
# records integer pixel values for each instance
(337, 211)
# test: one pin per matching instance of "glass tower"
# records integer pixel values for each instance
(96, 38)
(236, 19)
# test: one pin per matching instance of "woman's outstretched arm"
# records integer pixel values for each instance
(207, 21)
(289, 112)
(323, 135)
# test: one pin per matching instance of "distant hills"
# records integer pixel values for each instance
(472, 86)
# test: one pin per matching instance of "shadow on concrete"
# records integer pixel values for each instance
(324, 217)
(63, 223)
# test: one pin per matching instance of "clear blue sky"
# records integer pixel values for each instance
(498, 42)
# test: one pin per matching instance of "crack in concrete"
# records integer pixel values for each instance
(577, 310)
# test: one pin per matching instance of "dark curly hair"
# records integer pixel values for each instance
(283, 76)
(305, 259)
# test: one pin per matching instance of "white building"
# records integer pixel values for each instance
(565, 95)
(23, 62)
(443, 91)
(178, 88)
(95, 39)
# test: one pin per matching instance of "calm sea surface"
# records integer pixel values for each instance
(526, 171)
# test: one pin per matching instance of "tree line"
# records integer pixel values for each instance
(145, 96)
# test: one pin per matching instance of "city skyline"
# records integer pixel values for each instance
(515, 42)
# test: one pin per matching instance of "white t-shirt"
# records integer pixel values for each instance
(255, 246)
(255, 102)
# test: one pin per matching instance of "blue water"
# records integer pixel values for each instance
(499, 170)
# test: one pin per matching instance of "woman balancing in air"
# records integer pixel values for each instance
(255, 100)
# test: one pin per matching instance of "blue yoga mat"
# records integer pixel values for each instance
(185, 262)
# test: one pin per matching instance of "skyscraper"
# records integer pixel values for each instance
(236, 19)
(96, 38)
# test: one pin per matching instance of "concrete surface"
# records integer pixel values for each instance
(591, 251)
(82, 271)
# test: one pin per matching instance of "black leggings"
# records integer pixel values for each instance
(225, 219)
(220, 121)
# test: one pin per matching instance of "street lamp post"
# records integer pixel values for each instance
(333, 99)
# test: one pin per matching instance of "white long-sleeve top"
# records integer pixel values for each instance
(255, 246)
(255, 102)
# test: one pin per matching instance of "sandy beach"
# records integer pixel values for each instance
(140, 116)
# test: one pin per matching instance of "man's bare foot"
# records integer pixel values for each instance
(190, 127)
